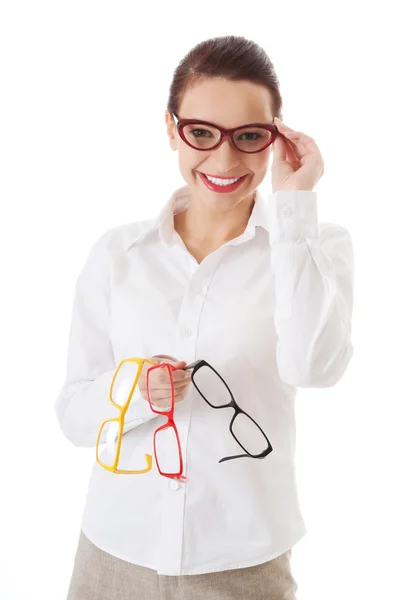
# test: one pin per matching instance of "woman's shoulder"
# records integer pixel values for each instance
(121, 237)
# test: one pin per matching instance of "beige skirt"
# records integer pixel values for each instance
(98, 575)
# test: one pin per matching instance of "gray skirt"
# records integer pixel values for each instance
(98, 575)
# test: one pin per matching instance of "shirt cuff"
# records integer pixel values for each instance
(292, 215)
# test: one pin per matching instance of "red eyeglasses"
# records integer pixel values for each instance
(167, 447)
(204, 136)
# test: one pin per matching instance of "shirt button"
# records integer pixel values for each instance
(175, 485)
(286, 211)
(186, 332)
(197, 289)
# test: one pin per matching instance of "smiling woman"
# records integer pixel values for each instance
(264, 292)
(224, 146)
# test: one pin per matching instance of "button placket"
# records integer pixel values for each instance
(175, 485)
(197, 289)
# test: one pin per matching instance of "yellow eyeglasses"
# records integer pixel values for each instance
(122, 388)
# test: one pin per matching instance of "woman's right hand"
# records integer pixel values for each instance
(160, 383)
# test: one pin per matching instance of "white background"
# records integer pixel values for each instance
(83, 84)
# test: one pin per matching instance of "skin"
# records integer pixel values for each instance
(213, 219)
(160, 384)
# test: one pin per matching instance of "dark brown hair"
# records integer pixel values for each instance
(233, 57)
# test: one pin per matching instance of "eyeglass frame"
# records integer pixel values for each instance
(121, 421)
(194, 367)
(224, 133)
(170, 421)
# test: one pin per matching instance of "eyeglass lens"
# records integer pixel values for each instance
(160, 388)
(129, 460)
(214, 389)
(166, 441)
(204, 137)
(167, 449)
(111, 431)
(123, 382)
(249, 434)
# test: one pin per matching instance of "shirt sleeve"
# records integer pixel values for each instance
(313, 269)
(83, 401)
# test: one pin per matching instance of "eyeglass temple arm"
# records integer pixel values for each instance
(245, 456)
(237, 456)
(192, 365)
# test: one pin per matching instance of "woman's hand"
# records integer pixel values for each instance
(297, 162)
(160, 383)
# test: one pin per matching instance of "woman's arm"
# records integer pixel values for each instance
(83, 401)
(314, 277)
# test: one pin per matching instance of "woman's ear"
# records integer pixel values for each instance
(171, 130)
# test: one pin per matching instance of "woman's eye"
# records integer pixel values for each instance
(200, 132)
(249, 139)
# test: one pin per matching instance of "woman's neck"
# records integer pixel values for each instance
(211, 229)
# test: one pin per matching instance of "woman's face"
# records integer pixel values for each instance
(227, 104)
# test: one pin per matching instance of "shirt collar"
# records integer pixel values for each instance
(178, 202)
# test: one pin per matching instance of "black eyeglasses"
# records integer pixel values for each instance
(204, 136)
(246, 431)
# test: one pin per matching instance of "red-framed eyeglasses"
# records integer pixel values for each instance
(205, 136)
(169, 458)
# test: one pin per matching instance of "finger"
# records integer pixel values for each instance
(282, 127)
(158, 396)
(160, 393)
(166, 391)
(183, 383)
(179, 365)
(180, 397)
(162, 404)
(292, 157)
(285, 129)
(302, 143)
(284, 153)
(176, 365)
(279, 148)
(285, 149)
(294, 143)
(179, 376)
(163, 401)
(298, 139)
(161, 374)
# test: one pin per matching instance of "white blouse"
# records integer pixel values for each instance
(271, 311)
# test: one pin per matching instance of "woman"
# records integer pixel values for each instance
(263, 293)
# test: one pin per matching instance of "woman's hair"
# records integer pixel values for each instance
(232, 57)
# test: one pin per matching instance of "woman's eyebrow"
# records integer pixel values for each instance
(247, 124)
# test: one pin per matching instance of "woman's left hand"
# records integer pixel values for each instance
(297, 162)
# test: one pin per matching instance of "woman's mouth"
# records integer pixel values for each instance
(217, 185)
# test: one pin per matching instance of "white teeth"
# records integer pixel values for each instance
(222, 181)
